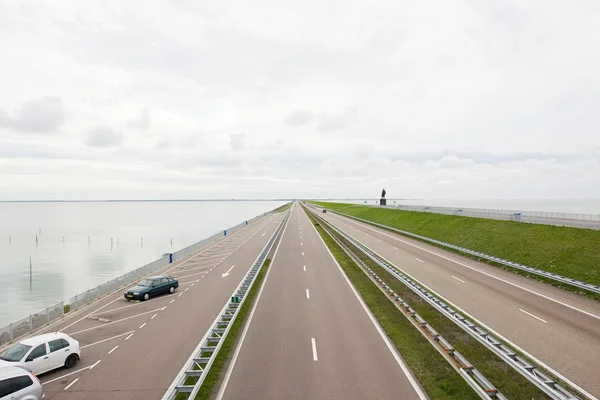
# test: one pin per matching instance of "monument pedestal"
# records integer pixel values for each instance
(382, 202)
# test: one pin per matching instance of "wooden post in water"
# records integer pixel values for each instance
(36, 240)
(9, 239)
(30, 275)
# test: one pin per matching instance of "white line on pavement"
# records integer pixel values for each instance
(181, 293)
(97, 362)
(114, 322)
(460, 280)
(106, 340)
(302, 253)
(143, 325)
(65, 375)
(534, 316)
(113, 349)
(186, 289)
(129, 336)
(72, 383)
(172, 301)
(154, 316)
(418, 259)
(395, 248)
(305, 268)
(307, 294)
(314, 349)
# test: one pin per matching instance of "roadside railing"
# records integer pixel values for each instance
(35, 321)
(575, 220)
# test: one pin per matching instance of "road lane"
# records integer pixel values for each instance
(321, 345)
(564, 342)
(161, 333)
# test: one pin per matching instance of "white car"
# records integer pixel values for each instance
(17, 383)
(43, 353)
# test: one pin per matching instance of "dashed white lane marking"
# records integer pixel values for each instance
(302, 253)
(395, 248)
(180, 294)
(305, 268)
(114, 322)
(143, 325)
(418, 259)
(97, 362)
(186, 289)
(301, 244)
(129, 336)
(64, 376)
(172, 301)
(192, 284)
(307, 294)
(460, 280)
(71, 384)
(380, 240)
(314, 349)
(534, 316)
(154, 316)
(113, 349)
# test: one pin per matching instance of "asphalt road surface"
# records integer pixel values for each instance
(310, 336)
(140, 348)
(559, 328)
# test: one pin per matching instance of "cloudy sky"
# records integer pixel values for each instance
(268, 98)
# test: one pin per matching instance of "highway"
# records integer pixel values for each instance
(558, 328)
(135, 350)
(310, 336)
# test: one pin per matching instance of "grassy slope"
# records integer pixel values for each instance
(572, 252)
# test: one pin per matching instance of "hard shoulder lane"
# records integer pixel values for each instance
(310, 336)
(147, 359)
(554, 333)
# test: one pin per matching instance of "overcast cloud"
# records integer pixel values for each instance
(189, 99)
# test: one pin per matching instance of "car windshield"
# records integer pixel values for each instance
(146, 282)
(15, 353)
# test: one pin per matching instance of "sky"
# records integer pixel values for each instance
(210, 99)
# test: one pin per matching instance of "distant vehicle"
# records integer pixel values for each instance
(17, 383)
(150, 287)
(324, 211)
(43, 353)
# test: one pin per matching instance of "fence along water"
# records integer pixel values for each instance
(37, 320)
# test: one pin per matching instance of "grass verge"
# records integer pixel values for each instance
(209, 386)
(436, 376)
(284, 207)
(571, 252)
(66, 308)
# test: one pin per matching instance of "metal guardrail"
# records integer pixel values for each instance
(475, 379)
(198, 365)
(35, 321)
(548, 275)
(532, 373)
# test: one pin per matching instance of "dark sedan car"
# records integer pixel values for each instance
(150, 287)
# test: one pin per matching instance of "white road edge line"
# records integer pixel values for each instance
(497, 334)
(460, 280)
(71, 384)
(106, 340)
(534, 316)
(113, 349)
(418, 259)
(314, 349)
(490, 275)
(389, 345)
(307, 294)
(236, 354)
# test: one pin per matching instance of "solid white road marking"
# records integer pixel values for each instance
(97, 362)
(114, 348)
(143, 325)
(129, 336)
(106, 340)
(307, 294)
(494, 277)
(154, 316)
(460, 280)
(114, 322)
(71, 384)
(418, 259)
(534, 316)
(314, 349)
(247, 326)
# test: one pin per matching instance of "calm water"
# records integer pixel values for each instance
(86, 258)
(577, 206)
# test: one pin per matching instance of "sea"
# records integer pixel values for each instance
(70, 247)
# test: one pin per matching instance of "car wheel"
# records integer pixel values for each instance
(71, 361)
(146, 296)
(172, 289)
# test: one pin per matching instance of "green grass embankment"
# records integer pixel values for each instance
(571, 252)
(284, 207)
